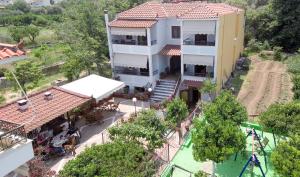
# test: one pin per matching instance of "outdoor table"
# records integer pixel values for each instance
(57, 142)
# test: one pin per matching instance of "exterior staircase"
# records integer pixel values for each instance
(163, 90)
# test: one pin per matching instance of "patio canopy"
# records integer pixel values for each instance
(41, 110)
(96, 86)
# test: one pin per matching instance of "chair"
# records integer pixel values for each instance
(263, 144)
(115, 107)
(71, 147)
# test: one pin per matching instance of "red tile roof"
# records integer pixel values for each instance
(190, 83)
(185, 10)
(46, 110)
(171, 50)
(9, 50)
(132, 23)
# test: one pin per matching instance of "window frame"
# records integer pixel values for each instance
(174, 34)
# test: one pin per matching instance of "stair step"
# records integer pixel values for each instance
(164, 91)
(166, 86)
(167, 81)
(162, 94)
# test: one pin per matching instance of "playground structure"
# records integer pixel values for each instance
(254, 161)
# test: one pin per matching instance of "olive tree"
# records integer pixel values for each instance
(177, 111)
(286, 157)
(281, 119)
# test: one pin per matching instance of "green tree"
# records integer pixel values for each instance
(225, 107)
(72, 68)
(17, 33)
(281, 119)
(216, 141)
(26, 72)
(208, 88)
(147, 126)
(20, 5)
(177, 111)
(117, 158)
(287, 32)
(32, 32)
(286, 157)
(84, 29)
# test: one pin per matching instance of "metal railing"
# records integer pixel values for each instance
(211, 75)
(12, 134)
(176, 86)
(198, 43)
(129, 42)
(133, 72)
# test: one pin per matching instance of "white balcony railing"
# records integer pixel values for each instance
(198, 50)
(134, 80)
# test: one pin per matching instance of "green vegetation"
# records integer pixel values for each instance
(147, 126)
(117, 158)
(27, 73)
(225, 107)
(218, 136)
(282, 119)
(286, 157)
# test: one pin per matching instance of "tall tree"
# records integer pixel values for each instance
(287, 32)
(117, 158)
(26, 72)
(217, 140)
(177, 111)
(147, 128)
(286, 157)
(225, 107)
(32, 32)
(84, 29)
(282, 119)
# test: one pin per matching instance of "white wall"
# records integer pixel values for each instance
(12, 158)
(172, 22)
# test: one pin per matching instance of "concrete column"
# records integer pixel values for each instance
(181, 44)
(217, 31)
(109, 41)
(150, 55)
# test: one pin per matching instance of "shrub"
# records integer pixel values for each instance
(40, 21)
(2, 99)
(266, 45)
(277, 53)
(254, 46)
(293, 64)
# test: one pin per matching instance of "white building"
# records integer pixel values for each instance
(15, 150)
(168, 42)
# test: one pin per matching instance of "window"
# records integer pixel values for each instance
(175, 32)
(128, 37)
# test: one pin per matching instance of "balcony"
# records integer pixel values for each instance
(129, 42)
(11, 134)
(132, 71)
(196, 74)
(15, 148)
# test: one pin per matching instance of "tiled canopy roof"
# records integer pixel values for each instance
(190, 83)
(46, 110)
(171, 50)
(185, 10)
(132, 23)
(9, 50)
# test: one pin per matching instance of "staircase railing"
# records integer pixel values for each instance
(176, 87)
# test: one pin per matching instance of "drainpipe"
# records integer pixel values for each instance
(109, 41)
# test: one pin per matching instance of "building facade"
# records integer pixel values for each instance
(192, 41)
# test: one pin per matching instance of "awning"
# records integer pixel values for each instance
(96, 86)
(128, 31)
(198, 60)
(128, 60)
(171, 50)
(132, 23)
(199, 26)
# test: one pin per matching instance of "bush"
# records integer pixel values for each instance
(254, 46)
(266, 45)
(2, 99)
(277, 53)
(293, 64)
(296, 87)
(54, 10)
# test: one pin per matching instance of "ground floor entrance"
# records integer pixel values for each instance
(191, 96)
(175, 64)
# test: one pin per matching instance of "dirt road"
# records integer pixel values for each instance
(267, 82)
